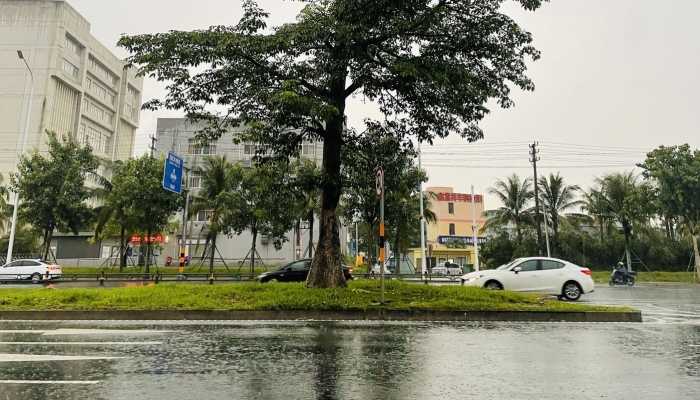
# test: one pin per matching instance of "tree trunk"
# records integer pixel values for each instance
(397, 251)
(213, 252)
(47, 243)
(326, 270)
(253, 251)
(628, 256)
(148, 252)
(696, 253)
(122, 250)
(310, 221)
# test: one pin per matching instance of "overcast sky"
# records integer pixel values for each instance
(616, 78)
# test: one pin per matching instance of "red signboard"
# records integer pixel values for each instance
(138, 239)
(460, 197)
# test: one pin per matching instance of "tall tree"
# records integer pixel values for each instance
(114, 211)
(675, 172)
(627, 201)
(557, 198)
(594, 205)
(215, 179)
(258, 200)
(307, 182)
(430, 65)
(137, 187)
(515, 196)
(52, 188)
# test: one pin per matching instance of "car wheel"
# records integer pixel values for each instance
(36, 278)
(493, 285)
(571, 291)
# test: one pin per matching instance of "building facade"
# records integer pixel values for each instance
(450, 238)
(179, 136)
(81, 88)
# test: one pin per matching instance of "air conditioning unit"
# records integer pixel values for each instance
(265, 240)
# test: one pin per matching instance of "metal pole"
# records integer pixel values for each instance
(381, 234)
(25, 133)
(537, 197)
(546, 232)
(357, 241)
(422, 219)
(474, 232)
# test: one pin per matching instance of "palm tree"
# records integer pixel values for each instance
(623, 199)
(594, 204)
(215, 175)
(557, 198)
(111, 210)
(515, 195)
(308, 190)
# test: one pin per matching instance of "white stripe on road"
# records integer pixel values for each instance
(87, 343)
(66, 331)
(33, 358)
(16, 382)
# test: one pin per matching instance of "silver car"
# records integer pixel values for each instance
(34, 270)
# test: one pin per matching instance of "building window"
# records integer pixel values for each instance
(72, 46)
(451, 208)
(195, 180)
(452, 229)
(98, 113)
(99, 91)
(249, 149)
(197, 147)
(204, 215)
(307, 149)
(132, 104)
(70, 69)
(102, 73)
(93, 137)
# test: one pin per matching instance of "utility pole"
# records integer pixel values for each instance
(183, 240)
(546, 233)
(475, 235)
(380, 193)
(533, 159)
(153, 145)
(423, 262)
(25, 133)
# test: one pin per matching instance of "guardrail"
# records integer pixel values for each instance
(102, 277)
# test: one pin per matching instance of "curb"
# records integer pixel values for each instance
(374, 315)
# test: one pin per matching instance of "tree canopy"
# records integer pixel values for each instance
(431, 66)
(52, 188)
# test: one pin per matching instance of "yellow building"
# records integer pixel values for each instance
(450, 238)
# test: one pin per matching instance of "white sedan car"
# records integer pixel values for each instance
(536, 274)
(34, 270)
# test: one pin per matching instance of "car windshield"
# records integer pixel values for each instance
(510, 264)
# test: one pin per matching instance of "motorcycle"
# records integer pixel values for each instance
(621, 276)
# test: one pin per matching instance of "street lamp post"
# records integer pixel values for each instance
(15, 204)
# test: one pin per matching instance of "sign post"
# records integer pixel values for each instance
(380, 193)
(172, 173)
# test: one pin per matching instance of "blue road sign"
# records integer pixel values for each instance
(172, 173)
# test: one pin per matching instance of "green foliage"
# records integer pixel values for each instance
(358, 296)
(52, 187)
(258, 200)
(675, 172)
(557, 199)
(430, 66)
(515, 195)
(26, 242)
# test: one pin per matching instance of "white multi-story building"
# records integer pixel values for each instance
(80, 88)
(178, 135)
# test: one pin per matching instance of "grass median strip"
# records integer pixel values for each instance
(358, 296)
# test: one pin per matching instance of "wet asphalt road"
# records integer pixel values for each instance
(657, 359)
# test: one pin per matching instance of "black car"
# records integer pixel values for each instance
(296, 271)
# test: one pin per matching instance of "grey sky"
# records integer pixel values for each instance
(622, 73)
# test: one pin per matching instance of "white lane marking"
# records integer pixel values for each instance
(88, 343)
(16, 382)
(37, 357)
(66, 331)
